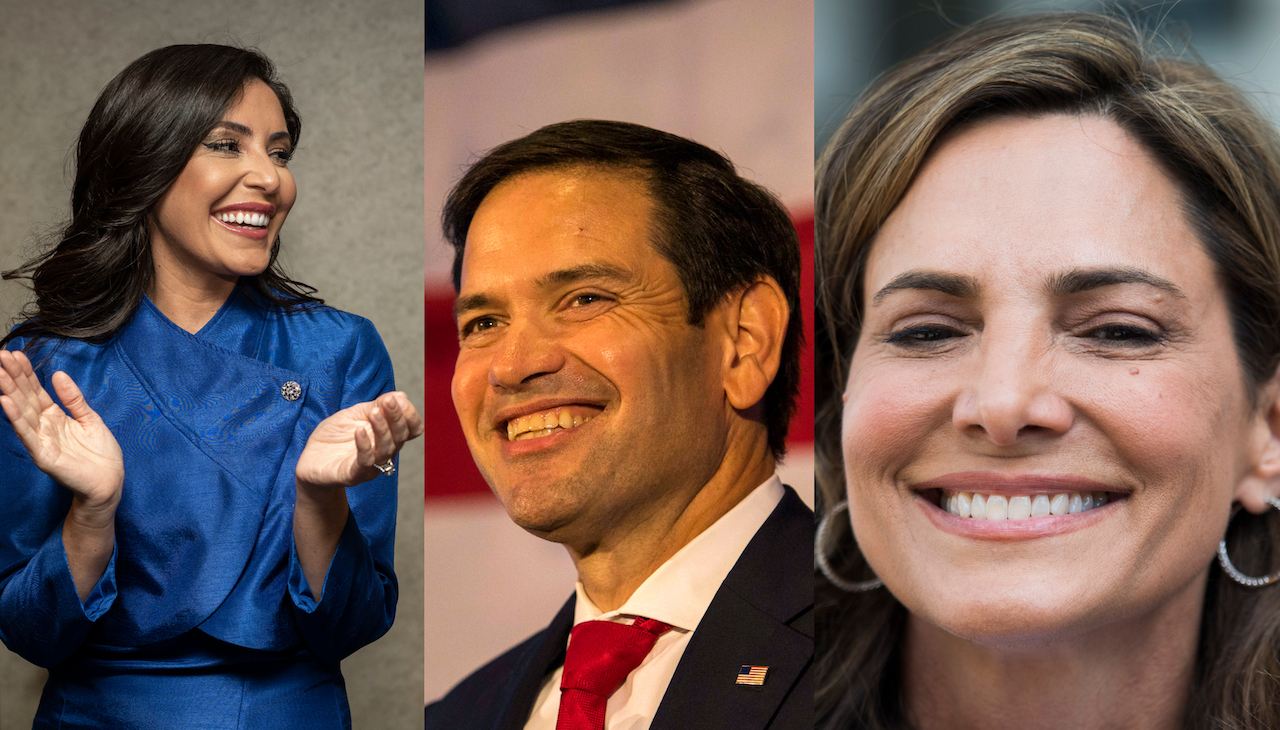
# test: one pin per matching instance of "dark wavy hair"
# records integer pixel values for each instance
(1225, 157)
(136, 141)
(721, 231)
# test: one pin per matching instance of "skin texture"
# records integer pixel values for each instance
(1128, 384)
(197, 264)
(564, 303)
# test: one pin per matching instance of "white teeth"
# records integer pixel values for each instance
(1020, 506)
(1058, 505)
(997, 507)
(244, 218)
(1040, 506)
(542, 424)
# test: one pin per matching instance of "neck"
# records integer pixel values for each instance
(187, 303)
(612, 568)
(1134, 673)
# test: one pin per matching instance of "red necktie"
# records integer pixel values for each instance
(600, 656)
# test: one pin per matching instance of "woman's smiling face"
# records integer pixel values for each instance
(1041, 320)
(219, 219)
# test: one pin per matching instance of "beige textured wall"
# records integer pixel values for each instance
(356, 232)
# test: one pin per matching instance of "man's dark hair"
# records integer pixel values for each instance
(720, 231)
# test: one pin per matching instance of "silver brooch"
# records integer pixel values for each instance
(291, 390)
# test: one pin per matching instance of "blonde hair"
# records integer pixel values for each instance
(1226, 158)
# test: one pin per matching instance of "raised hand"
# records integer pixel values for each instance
(74, 447)
(343, 449)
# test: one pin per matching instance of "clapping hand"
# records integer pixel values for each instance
(343, 449)
(74, 447)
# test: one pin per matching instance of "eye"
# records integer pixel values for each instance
(282, 156)
(582, 300)
(920, 336)
(224, 145)
(476, 326)
(584, 305)
(1124, 334)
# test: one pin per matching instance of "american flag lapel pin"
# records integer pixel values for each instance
(751, 674)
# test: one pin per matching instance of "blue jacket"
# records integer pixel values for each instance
(204, 529)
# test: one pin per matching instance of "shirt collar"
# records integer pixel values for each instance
(680, 590)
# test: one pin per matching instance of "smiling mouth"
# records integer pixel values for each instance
(540, 425)
(244, 219)
(979, 506)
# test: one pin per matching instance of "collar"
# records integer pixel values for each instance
(205, 382)
(680, 590)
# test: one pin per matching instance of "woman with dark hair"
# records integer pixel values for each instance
(1048, 405)
(179, 545)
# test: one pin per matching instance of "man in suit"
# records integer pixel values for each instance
(629, 328)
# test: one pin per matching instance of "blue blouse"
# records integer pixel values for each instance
(203, 601)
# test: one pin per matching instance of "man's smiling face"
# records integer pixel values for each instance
(587, 399)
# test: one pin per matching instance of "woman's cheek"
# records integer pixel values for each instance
(1161, 420)
(889, 421)
(891, 415)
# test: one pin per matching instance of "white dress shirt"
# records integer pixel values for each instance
(677, 593)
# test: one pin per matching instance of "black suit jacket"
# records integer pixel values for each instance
(762, 615)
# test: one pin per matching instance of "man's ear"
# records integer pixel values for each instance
(756, 319)
(1263, 478)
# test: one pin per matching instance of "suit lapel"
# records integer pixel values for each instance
(541, 659)
(761, 616)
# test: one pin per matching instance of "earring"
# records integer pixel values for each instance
(821, 559)
(1231, 570)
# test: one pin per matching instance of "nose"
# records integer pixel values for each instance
(1011, 395)
(526, 352)
(262, 172)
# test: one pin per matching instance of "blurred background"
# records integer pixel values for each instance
(354, 233)
(857, 40)
(735, 75)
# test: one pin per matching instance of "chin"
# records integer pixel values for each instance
(1012, 616)
(540, 506)
(255, 269)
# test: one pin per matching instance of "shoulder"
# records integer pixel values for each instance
(320, 320)
(483, 698)
(324, 333)
(324, 320)
(794, 514)
(775, 571)
(48, 353)
(790, 527)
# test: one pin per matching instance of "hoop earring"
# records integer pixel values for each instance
(1231, 570)
(821, 559)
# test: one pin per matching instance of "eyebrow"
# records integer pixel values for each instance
(550, 280)
(583, 272)
(1063, 284)
(955, 285)
(470, 302)
(241, 129)
(1082, 280)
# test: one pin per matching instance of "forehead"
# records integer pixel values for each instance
(256, 101)
(550, 220)
(1015, 200)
